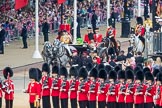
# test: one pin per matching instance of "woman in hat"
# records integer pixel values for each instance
(92, 93)
(73, 86)
(56, 83)
(64, 88)
(34, 88)
(46, 86)
(102, 89)
(8, 87)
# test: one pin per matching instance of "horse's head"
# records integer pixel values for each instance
(48, 48)
(132, 39)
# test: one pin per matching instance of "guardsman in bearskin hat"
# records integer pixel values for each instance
(150, 90)
(46, 86)
(102, 88)
(129, 88)
(56, 83)
(8, 87)
(139, 90)
(112, 90)
(83, 88)
(34, 88)
(97, 36)
(155, 72)
(73, 86)
(88, 38)
(93, 88)
(158, 96)
(121, 89)
(64, 88)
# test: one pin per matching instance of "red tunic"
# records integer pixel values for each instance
(149, 98)
(93, 87)
(65, 27)
(46, 85)
(98, 38)
(112, 89)
(139, 99)
(56, 83)
(102, 96)
(129, 98)
(1, 91)
(86, 39)
(64, 93)
(160, 103)
(34, 89)
(157, 93)
(8, 89)
(140, 30)
(82, 95)
(111, 32)
(121, 88)
(73, 93)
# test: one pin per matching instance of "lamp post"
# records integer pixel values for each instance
(75, 22)
(108, 12)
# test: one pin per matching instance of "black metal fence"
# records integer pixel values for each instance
(157, 42)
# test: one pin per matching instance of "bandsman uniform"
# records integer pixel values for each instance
(102, 89)
(121, 89)
(56, 83)
(112, 90)
(64, 88)
(34, 88)
(150, 90)
(83, 88)
(139, 90)
(129, 94)
(73, 86)
(93, 88)
(8, 87)
(46, 86)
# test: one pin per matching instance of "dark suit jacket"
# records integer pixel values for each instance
(2, 36)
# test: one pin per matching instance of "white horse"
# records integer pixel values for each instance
(136, 43)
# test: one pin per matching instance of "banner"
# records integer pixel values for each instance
(20, 4)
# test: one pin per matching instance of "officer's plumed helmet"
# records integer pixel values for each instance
(94, 73)
(63, 71)
(102, 74)
(7, 72)
(46, 68)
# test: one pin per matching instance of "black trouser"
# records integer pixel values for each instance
(32, 105)
(9, 103)
(46, 102)
(1, 48)
(45, 36)
(129, 105)
(157, 106)
(142, 39)
(101, 104)
(94, 27)
(121, 105)
(139, 105)
(112, 39)
(111, 105)
(82, 104)
(92, 104)
(0, 102)
(73, 103)
(24, 39)
(148, 105)
(55, 101)
(64, 103)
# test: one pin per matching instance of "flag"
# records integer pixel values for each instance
(60, 1)
(20, 4)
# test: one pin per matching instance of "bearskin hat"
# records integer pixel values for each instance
(73, 71)
(103, 74)
(146, 69)
(112, 75)
(139, 75)
(94, 73)
(139, 20)
(129, 74)
(33, 74)
(63, 71)
(39, 74)
(155, 72)
(136, 69)
(83, 73)
(140, 65)
(89, 66)
(55, 69)
(159, 77)
(46, 68)
(129, 68)
(117, 68)
(121, 74)
(108, 68)
(7, 71)
(100, 66)
(149, 76)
